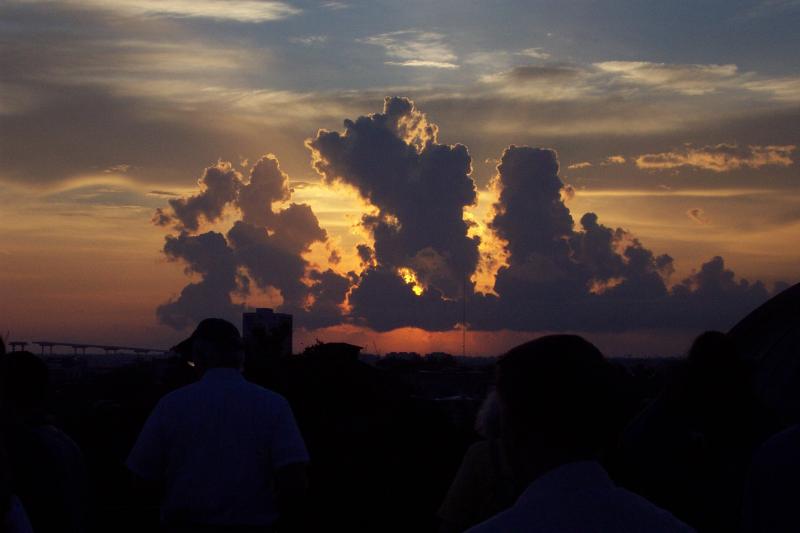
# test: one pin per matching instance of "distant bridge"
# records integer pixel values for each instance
(80, 347)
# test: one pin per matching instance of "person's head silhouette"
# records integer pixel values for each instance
(554, 397)
(718, 379)
(216, 343)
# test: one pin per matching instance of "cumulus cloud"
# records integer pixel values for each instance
(265, 246)
(554, 269)
(267, 185)
(719, 158)
(419, 186)
(208, 256)
(592, 276)
(275, 260)
(219, 186)
(556, 274)
(531, 217)
(413, 48)
(328, 294)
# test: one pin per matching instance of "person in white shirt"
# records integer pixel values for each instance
(554, 397)
(227, 453)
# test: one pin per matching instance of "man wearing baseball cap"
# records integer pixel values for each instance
(227, 453)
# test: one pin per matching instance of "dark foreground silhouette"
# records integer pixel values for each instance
(565, 442)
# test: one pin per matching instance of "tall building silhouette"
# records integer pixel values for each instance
(267, 334)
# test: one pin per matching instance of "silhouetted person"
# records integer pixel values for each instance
(484, 484)
(690, 450)
(48, 472)
(554, 396)
(227, 453)
(13, 518)
(773, 488)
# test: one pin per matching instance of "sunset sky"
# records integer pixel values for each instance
(167, 160)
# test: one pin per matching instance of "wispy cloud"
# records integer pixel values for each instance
(118, 169)
(665, 191)
(412, 48)
(786, 89)
(686, 79)
(543, 82)
(309, 40)
(697, 215)
(614, 160)
(719, 158)
(235, 10)
(335, 6)
(628, 79)
(536, 53)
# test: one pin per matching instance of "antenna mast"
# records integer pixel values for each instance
(464, 317)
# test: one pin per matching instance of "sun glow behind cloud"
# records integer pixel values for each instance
(410, 278)
(169, 86)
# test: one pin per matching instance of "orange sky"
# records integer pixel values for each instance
(684, 137)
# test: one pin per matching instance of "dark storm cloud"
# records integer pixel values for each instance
(714, 296)
(268, 184)
(531, 216)
(219, 186)
(419, 185)
(268, 263)
(208, 256)
(555, 273)
(558, 276)
(383, 301)
(266, 247)
(328, 293)
(593, 277)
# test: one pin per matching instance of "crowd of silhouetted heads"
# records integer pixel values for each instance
(686, 441)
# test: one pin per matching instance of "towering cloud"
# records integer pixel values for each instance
(265, 247)
(219, 186)
(268, 185)
(558, 277)
(209, 256)
(555, 274)
(419, 186)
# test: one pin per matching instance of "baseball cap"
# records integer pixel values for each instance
(218, 332)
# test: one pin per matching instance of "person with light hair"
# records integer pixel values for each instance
(484, 484)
